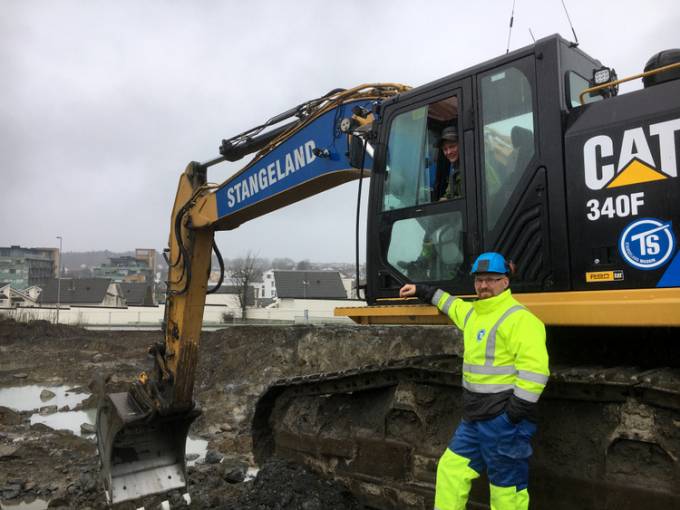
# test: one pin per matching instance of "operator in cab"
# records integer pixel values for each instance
(505, 370)
(449, 183)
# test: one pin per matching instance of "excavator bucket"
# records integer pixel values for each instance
(141, 453)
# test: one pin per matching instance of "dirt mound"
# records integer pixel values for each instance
(282, 485)
(235, 366)
(13, 331)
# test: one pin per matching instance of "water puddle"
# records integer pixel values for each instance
(36, 504)
(70, 420)
(196, 449)
(251, 473)
(26, 398)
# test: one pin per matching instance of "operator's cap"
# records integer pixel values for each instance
(490, 262)
(449, 134)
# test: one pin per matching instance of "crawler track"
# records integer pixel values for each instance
(609, 438)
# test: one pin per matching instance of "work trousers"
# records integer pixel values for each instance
(497, 445)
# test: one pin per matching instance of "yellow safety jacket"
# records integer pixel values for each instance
(504, 345)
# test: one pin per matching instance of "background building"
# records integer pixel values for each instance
(25, 267)
(82, 292)
(12, 298)
(267, 287)
(125, 269)
(309, 285)
(147, 255)
(138, 269)
(138, 294)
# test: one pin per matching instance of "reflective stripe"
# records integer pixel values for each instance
(487, 388)
(491, 339)
(437, 296)
(467, 316)
(447, 304)
(524, 394)
(487, 370)
(532, 377)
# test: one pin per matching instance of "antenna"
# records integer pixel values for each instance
(570, 25)
(532, 36)
(512, 18)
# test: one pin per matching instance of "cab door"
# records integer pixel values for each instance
(422, 222)
(514, 157)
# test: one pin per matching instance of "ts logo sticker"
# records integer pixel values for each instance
(647, 243)
(635, 163)
(480, 334)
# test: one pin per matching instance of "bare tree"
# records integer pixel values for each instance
(283, 263)
(304, 265)
(245, 271)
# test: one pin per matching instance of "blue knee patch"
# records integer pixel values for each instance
(465, 443)
(506, 448)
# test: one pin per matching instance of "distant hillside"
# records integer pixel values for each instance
(77, 261)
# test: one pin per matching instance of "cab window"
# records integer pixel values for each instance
(417, 171)
(508, 136)
(405, 183)
(424, 173)
(577, 84)
(428, 248)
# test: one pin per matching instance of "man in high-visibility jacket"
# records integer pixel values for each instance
(505, 369)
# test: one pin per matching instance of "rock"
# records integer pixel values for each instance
(44, 411)
(59, 500)
(235, 475)
(9, 416)
(214, 430)
(98, 383)
(213, 457)
(311, 504)
(41, 427)
(234, 469)
(64, 409)
(46, 395)
(97, 358)
(10, 491)
(7, 451)
(87, 482)
(192, 456)
(20, 375)
(10, 494)
(87, 428)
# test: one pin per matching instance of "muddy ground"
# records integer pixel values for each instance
(236, 365)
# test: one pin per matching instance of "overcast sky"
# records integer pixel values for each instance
(103, 103)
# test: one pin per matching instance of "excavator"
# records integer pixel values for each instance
(574, 182)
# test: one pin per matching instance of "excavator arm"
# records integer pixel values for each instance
(141, 433)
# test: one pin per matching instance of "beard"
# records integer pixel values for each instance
(484, 294)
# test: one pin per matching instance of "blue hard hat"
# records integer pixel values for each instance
(490, 262)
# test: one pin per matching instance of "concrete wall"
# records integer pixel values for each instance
(303, 311)
(133, 316)
(289, 310)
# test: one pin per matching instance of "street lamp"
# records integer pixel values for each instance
(59, 280)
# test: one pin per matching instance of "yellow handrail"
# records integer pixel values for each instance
(616, 82)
